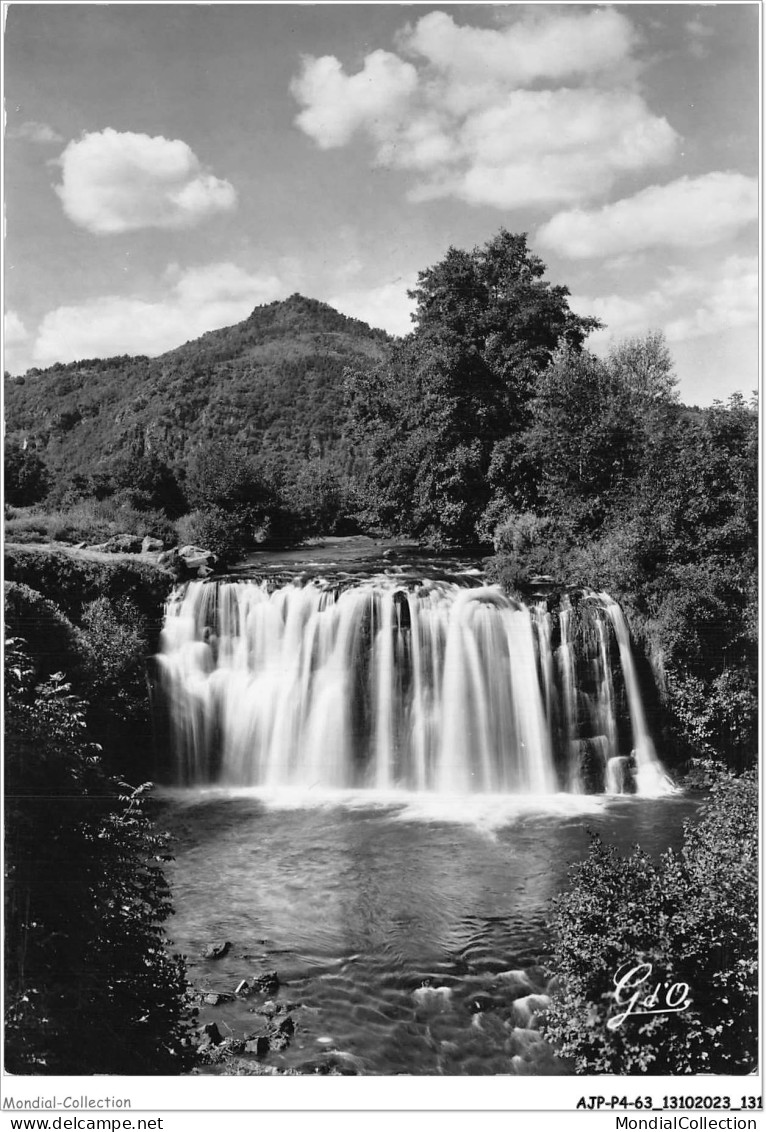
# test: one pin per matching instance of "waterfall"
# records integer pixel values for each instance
(434, 686)
(649, 774)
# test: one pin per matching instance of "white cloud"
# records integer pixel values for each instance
(688, 213)
(482, 114)
(338, 105)
(38, 132)
(686, 304)
(535, 47)
(387, 307)
(14, 331)
(120, 182)
(548, 147)
(731, 301)
(196, 300)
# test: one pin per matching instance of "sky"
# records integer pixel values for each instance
(169, 167)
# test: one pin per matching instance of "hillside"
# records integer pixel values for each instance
(271, 386)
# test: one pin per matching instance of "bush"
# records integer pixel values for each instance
(227, 533)
(523, 545)
(90, 985)
(693, 917)
(116, 635)
(55, 643)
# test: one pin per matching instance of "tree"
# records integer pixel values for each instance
(232, 503)
(645, 366)
(26, 476)
(486, 324)
(584, 438)
(148, 482)
(222, 476)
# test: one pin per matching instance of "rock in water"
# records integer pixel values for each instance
(212, 1034)
(259, 1045)
(217, 950)
(267, 983)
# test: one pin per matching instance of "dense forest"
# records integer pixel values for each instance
(490, 426)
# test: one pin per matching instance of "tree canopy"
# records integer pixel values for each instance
(487, 324)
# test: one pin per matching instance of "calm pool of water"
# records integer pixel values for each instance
(402, 930)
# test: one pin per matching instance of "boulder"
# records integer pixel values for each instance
(194, 556)
(120, 544)
(258, 1045)
(151, 545)
(211, 1034)
(215, 998)
(217, 950)
(267, 983)
(285, 1027)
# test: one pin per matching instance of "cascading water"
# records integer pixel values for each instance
(441, 687)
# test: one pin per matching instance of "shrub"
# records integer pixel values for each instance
(90, 985)
(55, 643)
(227, 533)
(117, 638)
(693, 917)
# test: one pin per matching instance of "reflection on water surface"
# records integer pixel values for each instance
(405, 931)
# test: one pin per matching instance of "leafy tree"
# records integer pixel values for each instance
(645, 367)
(222, 476)
(584, 438)
(148, 482)
(316, 500)
(90, 985)
(486, 324)
(26, 476)
(693, 917)
(231, 501)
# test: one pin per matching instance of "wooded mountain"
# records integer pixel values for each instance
(270, 386)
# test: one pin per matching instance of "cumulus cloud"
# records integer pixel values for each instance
(38, 132)
(14, 330)
(543, 111)
(338, 105)
(686, 304)
(534, 48)
(687, 213)
(120, 182)
(387, 307)
(195, 300)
